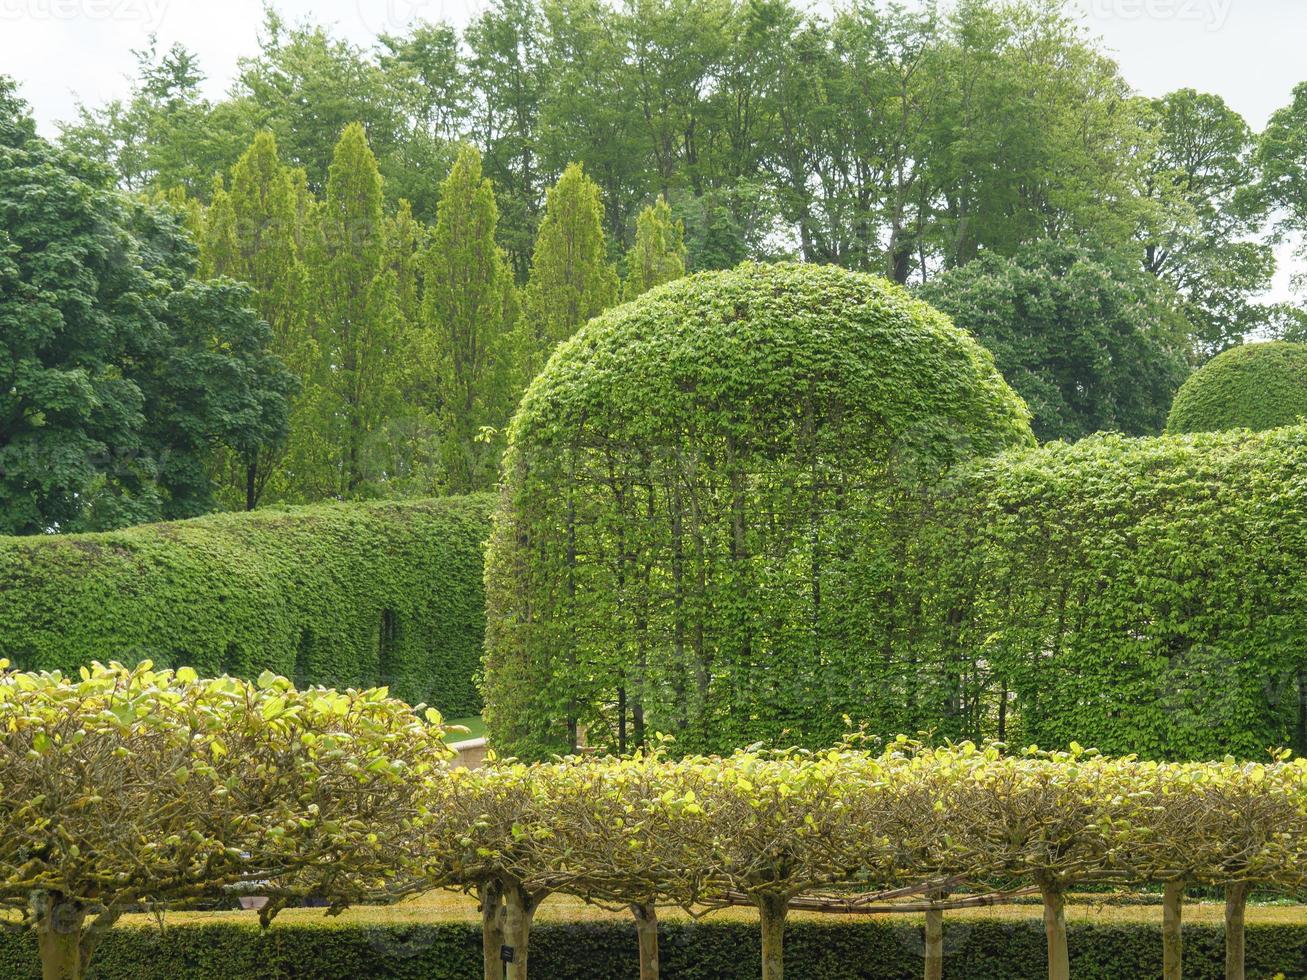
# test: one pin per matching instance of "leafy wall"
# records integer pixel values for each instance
(340, 594)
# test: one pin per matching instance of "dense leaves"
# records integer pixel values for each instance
(129, 787)
(697, 531)
(345, 595)
(120, 373)
(1256, 386)
(1089, 342)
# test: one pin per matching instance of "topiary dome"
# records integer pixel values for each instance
(1255, 386)
(697, 529)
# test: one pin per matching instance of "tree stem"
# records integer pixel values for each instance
(58, 938)
(1172, 937)
(773, 909)
(646, 928)
(934, 944)
(1236, 898)
(491, 896)
(1059, 960)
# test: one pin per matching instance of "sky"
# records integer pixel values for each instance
(62, 51)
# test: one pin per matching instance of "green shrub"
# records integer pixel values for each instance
(976, 948)
(1256, 386)
(697, 524)
(341, 594)
(1139, 595)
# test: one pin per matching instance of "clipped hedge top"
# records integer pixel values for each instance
(1256, 386)
(741, 349)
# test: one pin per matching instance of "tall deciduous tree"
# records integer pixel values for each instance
(466, 277)
(252, 234)
(1200, 175)
(120, 372)
(354, 318)
(571, 277)
(658, 255)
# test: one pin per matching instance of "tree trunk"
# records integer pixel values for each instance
(251, 482)
(521, 906)
(646, 927)
(491, 895)
(1172, 939)
(1059, 960)
(773, 909)
(58, 938)
(934, 944)
(1236, 897)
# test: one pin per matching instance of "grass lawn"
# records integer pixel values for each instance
(445, 906)
(474, 725)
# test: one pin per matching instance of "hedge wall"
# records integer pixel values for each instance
(1140, 595)
(695, 532)
(979, 949)
(340, 594)
(1256, 386)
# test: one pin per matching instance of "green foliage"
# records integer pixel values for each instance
(658, 255)
(122, 374)
(1084, 339)
(1256, 386)
(126, 786)
(1144, 595)
(979, 948)
(571, 278)
(697, 521)
(336, 594)
(468, 325)
(1202, 177)
(354, 321)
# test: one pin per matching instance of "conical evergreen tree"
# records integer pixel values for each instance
(658, 255)
(571, 278)
(467, 281)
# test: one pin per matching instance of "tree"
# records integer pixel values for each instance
(506, 67)
(252, 234)
(571, 278)
(1200, 173)
(130, 786)
(658, 255)
(1281, 156)
(100, 313)
(466, 276)
(353, 320)
(1090, 343)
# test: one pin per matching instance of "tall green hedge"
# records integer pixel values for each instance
(1255, 386)
(698, 530)
(978, 949)
(1143, 595)
(340, 594)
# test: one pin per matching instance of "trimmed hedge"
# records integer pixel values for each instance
(694, 533)
(1141, 595)
(975, 948)
(1255, 386)
(339, 594)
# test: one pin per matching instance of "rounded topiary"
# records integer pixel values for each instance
(698, 529)
(1256, 386)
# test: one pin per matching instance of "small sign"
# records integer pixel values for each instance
(506, 954)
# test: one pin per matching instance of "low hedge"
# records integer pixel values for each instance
(976, 948)
(338, 594)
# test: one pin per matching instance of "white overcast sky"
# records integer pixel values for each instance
(1248, 51)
